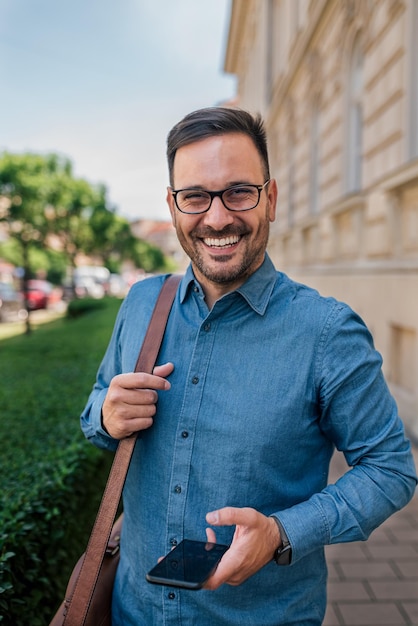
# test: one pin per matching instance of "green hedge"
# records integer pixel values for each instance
(52, 478)
(80, 306)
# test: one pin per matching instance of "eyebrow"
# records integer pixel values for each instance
(230, 184)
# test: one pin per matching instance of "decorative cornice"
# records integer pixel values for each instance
(241, 11)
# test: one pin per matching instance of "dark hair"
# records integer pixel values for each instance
(211, 121)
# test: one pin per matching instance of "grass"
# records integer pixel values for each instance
(46, 378)
(52, 478)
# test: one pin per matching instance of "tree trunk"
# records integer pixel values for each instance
(25, 279)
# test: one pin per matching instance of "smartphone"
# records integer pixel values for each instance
(189, 565)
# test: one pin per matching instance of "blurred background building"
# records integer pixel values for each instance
(337, 83)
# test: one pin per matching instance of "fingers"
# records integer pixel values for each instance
(232, 516)
(255, 539)
(210, 535)
(130, 403)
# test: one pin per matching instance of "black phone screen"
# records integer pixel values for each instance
(189, 565)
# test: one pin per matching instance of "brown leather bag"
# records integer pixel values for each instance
(88, 597)
(99, 609)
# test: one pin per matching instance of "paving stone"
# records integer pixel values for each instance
(347, 591)
(383, 535)
(369, 571)
(408, 569)
(371, 614)
(406, 535)
(333, 571)
(331, 618)
(401, 519)
(391, 552)
(375, 583)
(399, 590)
(411, 609)
(349, 552)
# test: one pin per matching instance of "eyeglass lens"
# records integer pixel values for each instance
(237, 198)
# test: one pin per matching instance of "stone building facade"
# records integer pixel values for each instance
(337, 83)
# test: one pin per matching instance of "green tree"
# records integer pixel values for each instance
(112, 238)
(25, 188)
(71, 201)
(46, 208)
(150, 257)
(52, 263)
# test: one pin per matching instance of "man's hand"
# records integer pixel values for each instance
(130, 402)
(255, 539)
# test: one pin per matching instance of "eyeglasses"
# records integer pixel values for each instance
(235, 198)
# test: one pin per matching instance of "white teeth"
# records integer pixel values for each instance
(221, 243)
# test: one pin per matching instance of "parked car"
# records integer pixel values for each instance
(88, 287)
(39, 292)
(86, 282)
(118, 286)
(11, 304)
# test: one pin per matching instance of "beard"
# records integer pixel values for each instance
(223, 269)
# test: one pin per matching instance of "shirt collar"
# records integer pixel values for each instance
(256, 290)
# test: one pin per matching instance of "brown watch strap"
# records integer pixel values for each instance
(102, 528)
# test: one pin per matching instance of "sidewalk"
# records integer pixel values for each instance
(375, 583)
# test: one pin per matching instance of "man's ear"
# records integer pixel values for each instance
(272, 194)
(171, 205)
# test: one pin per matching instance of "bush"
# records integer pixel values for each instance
(81, 306)
(52, 478)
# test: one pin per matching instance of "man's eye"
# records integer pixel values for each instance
(240, 191)
(194, 195)
(236, 193)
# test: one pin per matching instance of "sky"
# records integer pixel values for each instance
(101, 82)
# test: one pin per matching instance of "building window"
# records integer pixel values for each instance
(355, 118)
(314, 160)
(403, 360)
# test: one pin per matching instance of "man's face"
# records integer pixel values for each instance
(225, 247)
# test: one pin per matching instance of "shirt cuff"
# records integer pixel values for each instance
(95, 431)
(305, 527)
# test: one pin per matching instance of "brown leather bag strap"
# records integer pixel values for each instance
(102, 528)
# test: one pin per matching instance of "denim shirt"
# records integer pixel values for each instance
(265, 386)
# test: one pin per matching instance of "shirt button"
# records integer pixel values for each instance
(195, 380)
(206, 327)
(173, 541)
(184, 434)
(171, 595)
(177, 489)
(196, 289)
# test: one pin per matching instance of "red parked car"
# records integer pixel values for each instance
(39, 292)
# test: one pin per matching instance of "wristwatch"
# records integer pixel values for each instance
(283, 554)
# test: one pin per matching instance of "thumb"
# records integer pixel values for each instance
(163, 370)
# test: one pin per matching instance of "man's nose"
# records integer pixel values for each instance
(218, 215)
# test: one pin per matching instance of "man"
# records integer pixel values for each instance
(258, 380)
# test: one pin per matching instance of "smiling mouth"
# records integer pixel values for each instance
(222, 242)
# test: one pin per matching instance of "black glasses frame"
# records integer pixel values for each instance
(218, 194)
